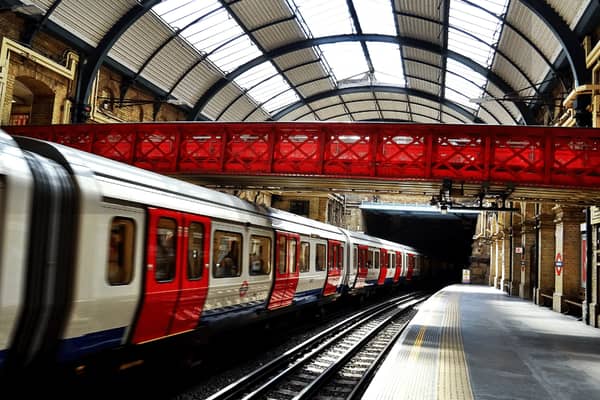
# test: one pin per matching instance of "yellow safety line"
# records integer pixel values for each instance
(453, 373)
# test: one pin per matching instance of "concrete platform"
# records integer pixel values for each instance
(476, 342)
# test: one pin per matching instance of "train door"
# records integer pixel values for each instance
(175, 283)
(389, 277)
(383, 267)
(398, 269)
(286, 270)
(161, 288)
(334, 267)
(410, 266)
(193, 274)
(362, 266)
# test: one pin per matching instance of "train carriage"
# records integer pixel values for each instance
(121, 257)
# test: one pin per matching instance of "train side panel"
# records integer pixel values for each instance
(15, 203)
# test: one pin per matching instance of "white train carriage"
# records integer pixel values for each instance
(120, 255)
(255, 258)
(16, 191)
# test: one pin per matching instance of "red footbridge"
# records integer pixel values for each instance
(535, 156)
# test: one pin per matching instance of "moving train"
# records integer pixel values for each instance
(99, 257)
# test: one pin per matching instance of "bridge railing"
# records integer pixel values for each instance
(519, 154)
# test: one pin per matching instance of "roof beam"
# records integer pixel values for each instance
(261, 48)
(379, 88)
(474, 37)
(567, 38)
(400, 48)
(411, 42)
(35, 26)
(407, 102)
(445, 14)
(94, 61)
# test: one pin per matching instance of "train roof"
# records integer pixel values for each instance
(376, 241)
(106, 169)
(76, 161)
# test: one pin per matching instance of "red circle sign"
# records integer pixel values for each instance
(558, 263)
(244, 288)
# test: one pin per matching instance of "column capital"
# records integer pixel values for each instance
(568, 214)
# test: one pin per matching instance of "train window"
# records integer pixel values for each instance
(340, 258)
(195, 251)
(392, 260)
(166, 245)
(355, 258)
(120, 251)
(321, 257)
(376, 259)
(292, 245)
(227, 257)
(304, 256)
(260, 255)
(370, 259)
(281, 248)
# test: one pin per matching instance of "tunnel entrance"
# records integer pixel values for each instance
(446, 239)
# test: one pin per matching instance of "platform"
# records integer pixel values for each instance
(476, 342)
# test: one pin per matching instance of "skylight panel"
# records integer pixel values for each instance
(484, 28)
(284, 99)
(375, 16)
(214, 31)
(467, 84)
(347, 60)
(265, 85)
(325, 18)
(387, 62)
(478, 35)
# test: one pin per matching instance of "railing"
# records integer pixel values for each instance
(474, 153)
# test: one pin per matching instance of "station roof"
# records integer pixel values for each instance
(450, 61)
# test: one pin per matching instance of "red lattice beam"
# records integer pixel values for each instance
(471, 153)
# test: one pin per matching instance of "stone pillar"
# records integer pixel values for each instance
(528, 245)
(506, 253)
(567, 284)
(546, 250)
(498, 263)
(516, 265)
(492, 269)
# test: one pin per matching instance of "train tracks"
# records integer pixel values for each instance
(335, 364)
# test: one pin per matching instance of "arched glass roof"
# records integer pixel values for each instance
(457, 61)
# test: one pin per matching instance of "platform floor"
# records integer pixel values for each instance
(476, 342)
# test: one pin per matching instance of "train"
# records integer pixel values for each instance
(101, 258)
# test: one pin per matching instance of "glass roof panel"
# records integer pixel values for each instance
(473, 33)
(325, 18)
(387, 62)
(375, 16)
(337, 56)
(263, 82)
(478, 23)
(284, 99)
(213, 31)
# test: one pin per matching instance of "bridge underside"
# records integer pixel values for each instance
(515, 162)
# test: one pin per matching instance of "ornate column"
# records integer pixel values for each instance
(516, 265)
(506, 264)
(568, 256)
(528, 249)
(546, 250)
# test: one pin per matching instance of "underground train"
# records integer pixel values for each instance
(98, 256)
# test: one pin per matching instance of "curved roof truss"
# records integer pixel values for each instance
(96, 28)
(410, 42)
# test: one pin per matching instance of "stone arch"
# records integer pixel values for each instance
(32, 102)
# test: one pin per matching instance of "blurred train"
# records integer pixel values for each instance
(98, 257)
